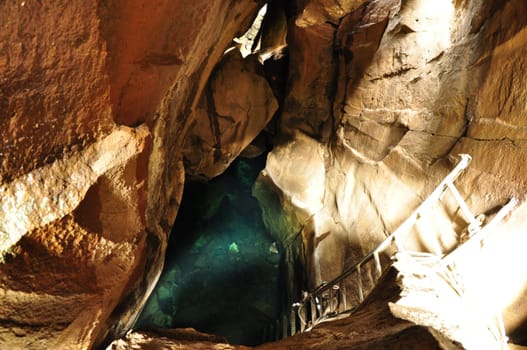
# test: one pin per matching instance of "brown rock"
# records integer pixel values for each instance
(94, 210)
(372, 326)
(381, 97)
(186, 338)
(49, 193)
(57, 283)
(236, 106)
(312, 79)
(54, 90)
(320, 11)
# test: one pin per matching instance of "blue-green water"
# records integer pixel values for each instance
(221, 272)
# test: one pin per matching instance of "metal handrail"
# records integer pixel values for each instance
(476, 234)
(479, 236)
(316, 296)
(436, 194)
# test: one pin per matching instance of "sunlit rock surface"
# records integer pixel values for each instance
(417, 83)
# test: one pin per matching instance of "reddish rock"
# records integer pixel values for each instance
(312, 79)
(54, 90)
(70, 75)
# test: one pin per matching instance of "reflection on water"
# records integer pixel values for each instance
(221, 271)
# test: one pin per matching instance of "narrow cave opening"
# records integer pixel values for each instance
(222, 271)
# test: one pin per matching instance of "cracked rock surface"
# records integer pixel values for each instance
(416, 84)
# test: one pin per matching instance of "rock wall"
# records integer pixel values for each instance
(105, 105)
(95, 100)
(395, 90)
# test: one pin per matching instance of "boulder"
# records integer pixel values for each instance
(235, 107)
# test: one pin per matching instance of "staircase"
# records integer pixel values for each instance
(332, 300)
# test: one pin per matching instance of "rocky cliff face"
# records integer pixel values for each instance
(105, 106)
(95, 100)
(395, 90)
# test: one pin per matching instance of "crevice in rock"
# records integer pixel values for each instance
(501, 139)
(401, 71)
(214, 125)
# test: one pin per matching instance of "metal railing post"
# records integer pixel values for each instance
(378, 267)
(313, 310)
(359, 283)
(343, 295)
(463, 206)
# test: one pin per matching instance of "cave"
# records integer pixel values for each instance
(301, 174)
(222, 269)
